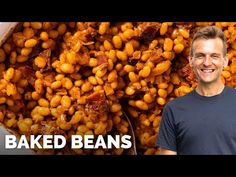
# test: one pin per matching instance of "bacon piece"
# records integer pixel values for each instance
(101, 59)
(83, 59)
(156, 56)
(187, 72)
(28, 73)
(49, 128)
(149, 31)
(46, 54)
(19, 39)
(96, 102)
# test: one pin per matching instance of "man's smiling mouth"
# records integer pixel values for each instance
(207, 70)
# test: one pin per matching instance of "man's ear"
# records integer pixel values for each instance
(190, 59)
(226, 61)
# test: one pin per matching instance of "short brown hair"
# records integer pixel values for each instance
(210, 32)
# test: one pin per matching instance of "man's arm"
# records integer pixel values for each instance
(167, 152)
(166, 138)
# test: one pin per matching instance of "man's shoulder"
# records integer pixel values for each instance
(182, 100)
(231, 90)
(230, 93)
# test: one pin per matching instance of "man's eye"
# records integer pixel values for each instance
(216, 57)
(199, 57)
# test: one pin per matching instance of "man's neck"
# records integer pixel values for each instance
(210, 90)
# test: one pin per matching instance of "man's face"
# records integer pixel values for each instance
(208, 60)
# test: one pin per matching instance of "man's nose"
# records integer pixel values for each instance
(207, 60)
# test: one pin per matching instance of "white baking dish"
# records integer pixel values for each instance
(6, 28)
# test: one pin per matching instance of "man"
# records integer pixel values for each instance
(204, 120)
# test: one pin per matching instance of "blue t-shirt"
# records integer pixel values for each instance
(195, 124)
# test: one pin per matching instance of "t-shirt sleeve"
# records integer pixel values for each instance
(167, 135)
